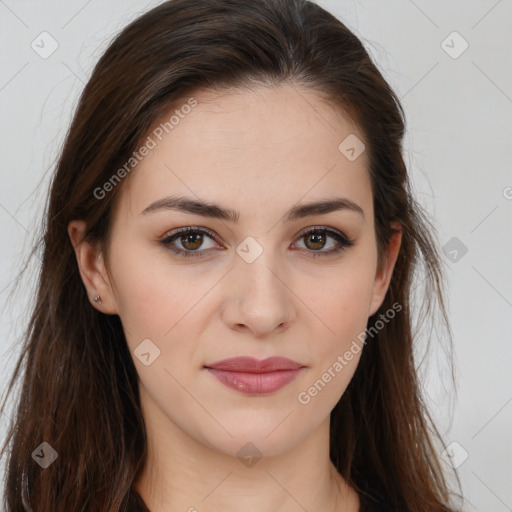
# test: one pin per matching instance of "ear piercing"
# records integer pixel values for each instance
(97, 299)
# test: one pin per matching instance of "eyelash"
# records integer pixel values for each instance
(339, 237)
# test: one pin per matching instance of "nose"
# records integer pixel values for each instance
(261, 301)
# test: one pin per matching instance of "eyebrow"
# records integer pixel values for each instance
(197, 207)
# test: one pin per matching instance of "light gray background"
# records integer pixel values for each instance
(458, 148)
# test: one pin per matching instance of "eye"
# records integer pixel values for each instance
(190, 238)
(316, 239)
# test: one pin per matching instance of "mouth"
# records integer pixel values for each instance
(251, 376)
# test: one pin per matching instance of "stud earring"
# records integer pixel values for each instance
(97, 299)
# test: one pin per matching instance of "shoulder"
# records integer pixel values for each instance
(368, 503)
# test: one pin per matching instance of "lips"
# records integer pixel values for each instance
(251, 376)
(252, 365)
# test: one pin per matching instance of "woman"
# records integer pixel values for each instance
(223, 319)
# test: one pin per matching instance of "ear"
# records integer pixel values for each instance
(384, 273)
(92, 268)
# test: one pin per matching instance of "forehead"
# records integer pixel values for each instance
(270, 144)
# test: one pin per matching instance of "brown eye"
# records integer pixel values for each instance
(318, 238)
(317, 241)
(191, 241)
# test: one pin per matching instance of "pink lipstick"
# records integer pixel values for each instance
(251, 376)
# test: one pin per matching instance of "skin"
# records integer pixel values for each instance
(259, 152)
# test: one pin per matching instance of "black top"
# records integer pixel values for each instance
(136, 504)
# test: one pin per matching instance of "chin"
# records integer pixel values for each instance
(254, 440)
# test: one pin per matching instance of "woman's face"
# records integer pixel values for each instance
(254, 285)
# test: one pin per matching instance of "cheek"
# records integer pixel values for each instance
(165, 304)
(345, 317)
(344, 299)
(150, 301)
(341, 304)
(342, 309)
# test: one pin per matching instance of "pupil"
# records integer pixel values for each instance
(317, 240)
(194, 239)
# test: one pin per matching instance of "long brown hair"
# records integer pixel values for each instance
(79, 388)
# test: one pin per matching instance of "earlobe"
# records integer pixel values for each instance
(383, 276)
(92, 269)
